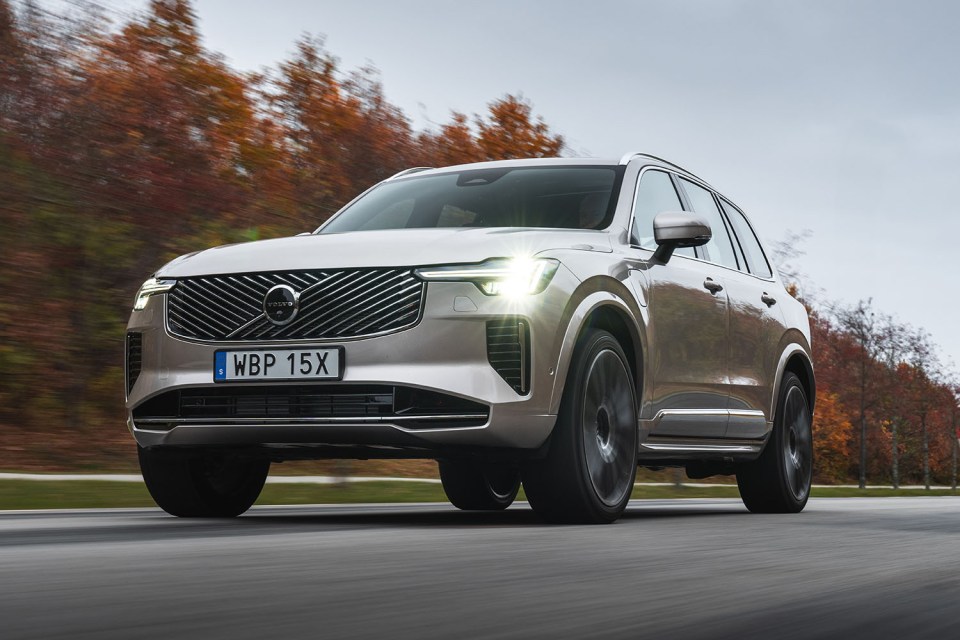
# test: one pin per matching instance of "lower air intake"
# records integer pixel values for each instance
(508, 351)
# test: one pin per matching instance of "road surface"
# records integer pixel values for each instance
(845, 568)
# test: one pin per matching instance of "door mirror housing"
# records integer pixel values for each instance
(672, 229)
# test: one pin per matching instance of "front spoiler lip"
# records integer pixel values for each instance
(319, 422)
(386, 432)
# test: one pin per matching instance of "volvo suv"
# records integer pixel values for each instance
(550, 322)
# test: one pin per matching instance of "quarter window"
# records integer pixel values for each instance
(719, 249)
(756, 260)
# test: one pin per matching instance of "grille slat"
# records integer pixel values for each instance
(382, 293)
(344, 303)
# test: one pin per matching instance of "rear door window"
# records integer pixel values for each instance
(756, 260)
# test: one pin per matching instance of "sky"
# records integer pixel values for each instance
(840, 117)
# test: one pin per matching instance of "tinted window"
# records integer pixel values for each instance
(655, 194)
(393, 217)
(564, 197)
(756, 261)
(719, 249)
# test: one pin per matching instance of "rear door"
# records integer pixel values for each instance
(756, 326)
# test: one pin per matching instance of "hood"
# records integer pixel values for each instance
(391, 248)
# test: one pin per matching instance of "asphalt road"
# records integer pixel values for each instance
(845, 568)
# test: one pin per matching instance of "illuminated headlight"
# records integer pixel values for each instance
(152, 287)
(499, 277)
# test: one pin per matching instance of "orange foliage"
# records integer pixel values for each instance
(832, 437)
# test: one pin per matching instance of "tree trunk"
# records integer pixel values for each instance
(895, 457)
(956, 445)
(863, 419)
(863, 450)
(955, 439)
(926, 452)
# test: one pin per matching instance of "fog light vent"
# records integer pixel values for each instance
(508, 351)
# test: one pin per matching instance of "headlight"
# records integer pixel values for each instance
(151, 287)
(499, 277)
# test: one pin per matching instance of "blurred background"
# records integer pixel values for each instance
(125, 141)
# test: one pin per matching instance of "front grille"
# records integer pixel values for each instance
(332, 304)
(414, 408)
(508, 351)
(134, 358)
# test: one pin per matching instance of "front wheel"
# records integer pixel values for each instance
(202, 484)
(474, 487)
(588, 473)
(779, 480)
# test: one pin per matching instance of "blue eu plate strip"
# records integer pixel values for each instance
(220, 365)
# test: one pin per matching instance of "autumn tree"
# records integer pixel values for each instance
(922, 390)
(510, 131)
(832, 435)
(454, 144)
(860, 323)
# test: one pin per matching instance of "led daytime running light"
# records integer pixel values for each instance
(151, 287)
(512, 277)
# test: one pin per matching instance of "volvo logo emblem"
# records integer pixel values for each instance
(281, 304)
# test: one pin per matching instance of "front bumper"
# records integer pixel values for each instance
(445, 352)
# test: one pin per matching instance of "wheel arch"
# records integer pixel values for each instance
(795, 359)
(612, 313)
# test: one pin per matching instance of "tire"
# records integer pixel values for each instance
(474, 487)
(207, 484)
(587, 475)
(779, 480)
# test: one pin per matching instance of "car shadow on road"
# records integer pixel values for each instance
(444, 516)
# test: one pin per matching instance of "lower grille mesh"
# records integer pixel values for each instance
(415, 408)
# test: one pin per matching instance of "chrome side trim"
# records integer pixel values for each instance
(684, 447)
(737, 413)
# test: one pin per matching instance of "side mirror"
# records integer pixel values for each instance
(672, 229)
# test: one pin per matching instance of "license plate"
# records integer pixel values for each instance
(278, 364)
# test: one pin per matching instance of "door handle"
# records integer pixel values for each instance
(713, 287)
(768, 299)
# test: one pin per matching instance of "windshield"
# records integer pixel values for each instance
(554, 197)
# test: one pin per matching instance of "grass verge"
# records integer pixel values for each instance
(32, 494)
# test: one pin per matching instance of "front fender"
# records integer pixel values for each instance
(587, 300)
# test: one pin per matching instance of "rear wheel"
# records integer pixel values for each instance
(779, 480)
(591, 464)
(474, 487)
(202, 484)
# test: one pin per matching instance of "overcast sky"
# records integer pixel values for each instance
(838, 117)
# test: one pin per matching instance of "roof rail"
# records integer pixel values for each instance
(627, 157)
(406, 172)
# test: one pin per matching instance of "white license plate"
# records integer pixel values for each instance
(278, 364)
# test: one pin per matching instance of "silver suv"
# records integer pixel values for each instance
(554, 321)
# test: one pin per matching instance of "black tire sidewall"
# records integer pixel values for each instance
(790, 380)
(569, 425)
